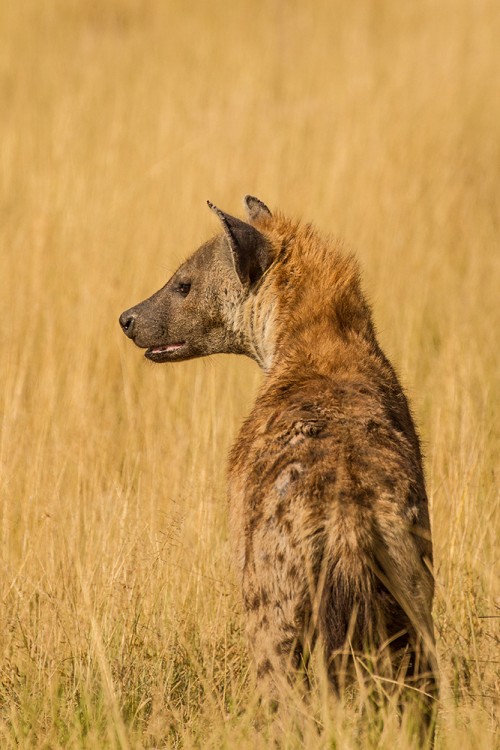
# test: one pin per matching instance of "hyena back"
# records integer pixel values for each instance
(328, 509)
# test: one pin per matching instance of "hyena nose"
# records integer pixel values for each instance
(127, 321)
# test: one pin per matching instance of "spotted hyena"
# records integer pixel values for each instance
(328, 509)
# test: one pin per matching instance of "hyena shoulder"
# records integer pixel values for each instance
(321, 442)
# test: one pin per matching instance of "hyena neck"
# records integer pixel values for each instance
(313, 312)
(322, 347)
(293, 330)
(308, 310)
(254, 329)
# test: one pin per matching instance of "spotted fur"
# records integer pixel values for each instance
(328, 509)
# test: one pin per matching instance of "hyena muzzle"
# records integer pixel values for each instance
(328, 508)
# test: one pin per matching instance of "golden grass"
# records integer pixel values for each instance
(120, 622)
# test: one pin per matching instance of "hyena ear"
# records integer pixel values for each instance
(250, 250)
(256, 209)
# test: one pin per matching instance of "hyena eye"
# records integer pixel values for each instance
(184, 289)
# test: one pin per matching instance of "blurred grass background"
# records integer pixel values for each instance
(379, 121)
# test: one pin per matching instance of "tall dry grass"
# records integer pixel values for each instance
(120, 622)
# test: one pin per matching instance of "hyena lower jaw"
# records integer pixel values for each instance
(162, 353)
(328, 508)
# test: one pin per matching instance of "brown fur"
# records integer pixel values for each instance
(328, 509)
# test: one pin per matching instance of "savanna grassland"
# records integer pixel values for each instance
(120, 624)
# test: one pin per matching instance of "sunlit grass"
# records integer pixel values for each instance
(120, 618)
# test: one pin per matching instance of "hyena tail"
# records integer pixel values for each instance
(380, 639)
(374, 631)
(347, 624)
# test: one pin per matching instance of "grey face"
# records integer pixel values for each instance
(186, 317)
(193, 314)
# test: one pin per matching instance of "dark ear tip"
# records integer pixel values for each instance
(255, 207)
(249, 199)
(223, 218)
(216, 210)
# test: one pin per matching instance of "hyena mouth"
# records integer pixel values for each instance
(163, 353)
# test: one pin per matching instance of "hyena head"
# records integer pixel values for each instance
(198, 312)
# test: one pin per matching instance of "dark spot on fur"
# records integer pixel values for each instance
(256, 600)
(253, 522)
(264, 668)
(364, 495)
(284, 646)
(252, 602)
(324, 480)
(281, 509)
